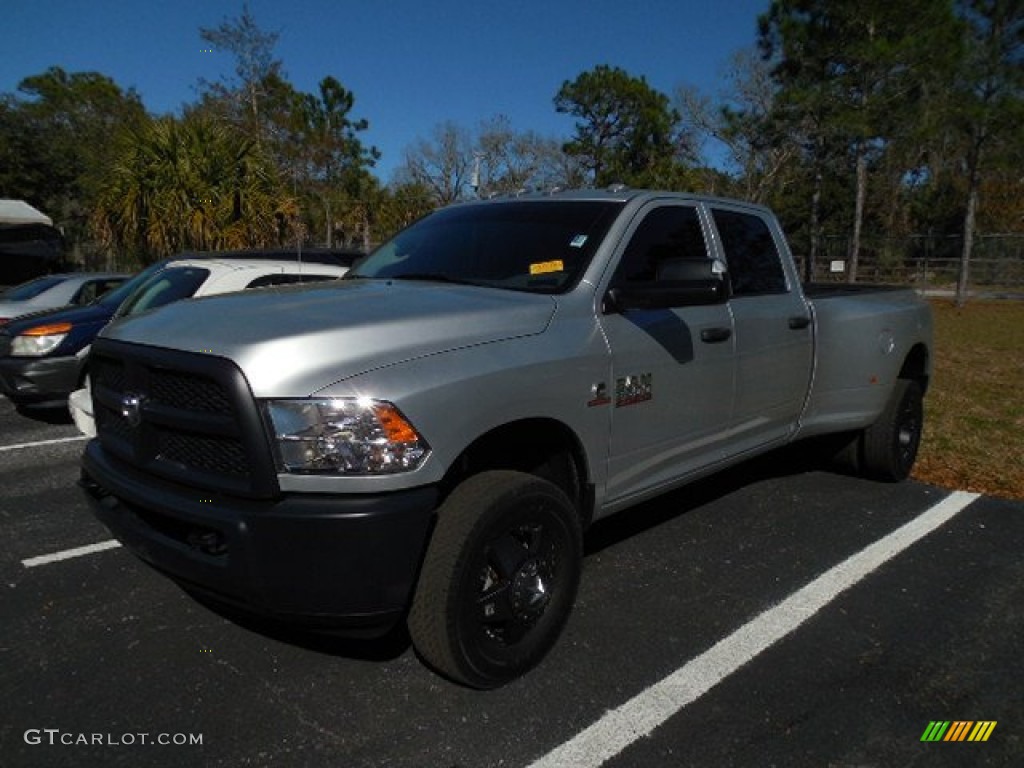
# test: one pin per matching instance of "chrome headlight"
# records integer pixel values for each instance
(39, 341)
(344, 436)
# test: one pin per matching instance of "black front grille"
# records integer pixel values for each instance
(110, 422)
(5, 344)
(110, 372)
(185, 416)
(193, 393)
(224, 456)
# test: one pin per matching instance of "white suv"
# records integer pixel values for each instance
(191, 278)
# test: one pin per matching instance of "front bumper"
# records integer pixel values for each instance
(38, 379)
(346, 563)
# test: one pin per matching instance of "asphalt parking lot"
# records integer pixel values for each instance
(775, 616)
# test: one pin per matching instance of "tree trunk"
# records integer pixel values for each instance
(812, 257)
(858, 212)
(970, 216)
(330, 225)
(963, 280)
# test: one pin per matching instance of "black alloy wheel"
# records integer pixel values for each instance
(499, 578)
(891, 443)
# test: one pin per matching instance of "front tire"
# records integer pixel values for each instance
(891, 443)
(499, 578)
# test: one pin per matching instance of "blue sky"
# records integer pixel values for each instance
(411, 64)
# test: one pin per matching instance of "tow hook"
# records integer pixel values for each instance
(207, 542)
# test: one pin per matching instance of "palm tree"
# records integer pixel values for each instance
(189, 184)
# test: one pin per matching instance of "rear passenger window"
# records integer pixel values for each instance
(285, 279)
(671, 232)
(755, 267)
(87, 293)
(92, 290)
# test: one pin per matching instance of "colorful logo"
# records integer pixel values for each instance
(958, 730)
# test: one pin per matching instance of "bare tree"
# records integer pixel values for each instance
(513, 160)
(442, 164)
(456, 163)
(741, 120)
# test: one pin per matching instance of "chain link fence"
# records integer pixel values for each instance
(930, 264)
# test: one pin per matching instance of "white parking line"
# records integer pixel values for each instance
(41, 443)
(67, 554)
(639, 716)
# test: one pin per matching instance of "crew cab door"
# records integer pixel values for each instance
(773, 329)
(670, 392)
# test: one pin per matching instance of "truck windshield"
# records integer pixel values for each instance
(540, 246)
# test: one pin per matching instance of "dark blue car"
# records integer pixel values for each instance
(40, 362)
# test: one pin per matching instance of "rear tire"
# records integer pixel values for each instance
(890, 444)
(499, 578)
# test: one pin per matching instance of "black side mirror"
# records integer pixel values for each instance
(679, 283)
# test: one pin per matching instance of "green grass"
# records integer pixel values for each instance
(974, 412)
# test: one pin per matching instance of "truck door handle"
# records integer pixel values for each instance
(715, 335)
(799, 322)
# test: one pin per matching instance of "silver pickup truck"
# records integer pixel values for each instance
(426, 440)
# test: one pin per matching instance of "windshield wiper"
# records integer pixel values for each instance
(435, 277)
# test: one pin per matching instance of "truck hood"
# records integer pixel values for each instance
(293, 342)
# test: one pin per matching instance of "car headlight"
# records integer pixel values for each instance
(344, 436)
(39, 341)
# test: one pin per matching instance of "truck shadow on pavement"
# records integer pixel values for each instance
(379, 649)
(791, 460)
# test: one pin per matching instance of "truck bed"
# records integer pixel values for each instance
(832, 290)
(863, 334)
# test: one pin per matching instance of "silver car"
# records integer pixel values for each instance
(52, 291)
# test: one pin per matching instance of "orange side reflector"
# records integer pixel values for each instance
(48, 330)
(395, 426)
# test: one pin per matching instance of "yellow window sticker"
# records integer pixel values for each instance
(543, 267)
